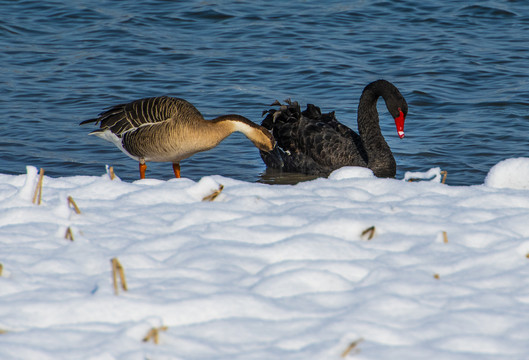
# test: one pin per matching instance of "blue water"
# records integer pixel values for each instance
(462, 66)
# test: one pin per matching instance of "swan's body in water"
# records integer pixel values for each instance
(313, 143)
(167, 129)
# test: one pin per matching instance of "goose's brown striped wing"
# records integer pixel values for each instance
(122, 118)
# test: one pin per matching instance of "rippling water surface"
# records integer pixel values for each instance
(462, 67)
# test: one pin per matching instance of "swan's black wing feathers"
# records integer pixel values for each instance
(310, 142)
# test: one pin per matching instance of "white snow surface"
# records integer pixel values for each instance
(266, 271)
(510, 173)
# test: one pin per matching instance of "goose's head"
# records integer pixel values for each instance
(263, 139)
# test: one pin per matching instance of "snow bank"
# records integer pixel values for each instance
(510, 173)
(405, 270)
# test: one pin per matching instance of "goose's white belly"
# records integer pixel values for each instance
(114, 139)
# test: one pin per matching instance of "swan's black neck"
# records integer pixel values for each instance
(368, 121)
(380, 158)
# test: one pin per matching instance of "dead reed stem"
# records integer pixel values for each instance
(1, 269)
(114, 276)
(37, 196)
(73, 204)
(118, 269)
(445, 237)
(214, 194)
(351, 346)
(154, 333)
(445, 174)
(68, 235)
(370, 232)
(111, 173)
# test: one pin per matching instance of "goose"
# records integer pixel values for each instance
(169, 129)
(313, 143)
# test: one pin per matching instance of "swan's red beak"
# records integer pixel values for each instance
(399, 122)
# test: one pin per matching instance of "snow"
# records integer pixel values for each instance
(267, 271)
(510, 173)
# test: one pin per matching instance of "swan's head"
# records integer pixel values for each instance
(395, 102)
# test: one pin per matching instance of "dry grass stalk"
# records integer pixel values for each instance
(527, 255)
(37, 196)
(444, 173)
(436, 276)
(73, 204)
(1, 269)
(111, 173)
(213, 195)
(154, 334)
(68, 235)
(351, 346)
(114, 276)
(118, 269)
(445, 237)
(370, 232)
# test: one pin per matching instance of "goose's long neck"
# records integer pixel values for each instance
(224, 125)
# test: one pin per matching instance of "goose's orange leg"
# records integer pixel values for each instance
(143, 167)
(176, 169)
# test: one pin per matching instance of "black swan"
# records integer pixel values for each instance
(170, 129)
(313, 143)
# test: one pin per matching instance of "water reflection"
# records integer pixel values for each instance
(277, 177)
